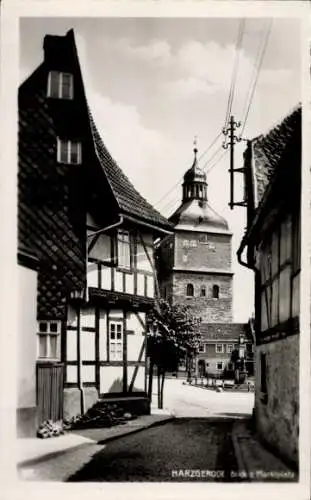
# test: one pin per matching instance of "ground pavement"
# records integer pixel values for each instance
(203, 442)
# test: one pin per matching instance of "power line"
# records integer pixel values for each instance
(212, 157)
(178, 182)
(217, 161)
(210, 146)
(258, 69)
(235, 70)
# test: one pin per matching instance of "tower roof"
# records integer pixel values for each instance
(195, 173)
(195, 213)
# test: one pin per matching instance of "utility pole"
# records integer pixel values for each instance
(233, 139)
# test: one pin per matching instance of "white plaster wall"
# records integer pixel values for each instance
(139, 384)
(129, 283)
(140, 284)
(278, 420)
(134, 342)
(150, 286)
(106, 278)
(102, 335)
(115, 313)
(102, 248)
(71, 374)
(27, 338)
(118, 281)
(88, 346)
(71, 345)
(88, 373)
(111, 378)
(92, 275)
(88, 317)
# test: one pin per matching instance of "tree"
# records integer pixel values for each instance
(173, 335)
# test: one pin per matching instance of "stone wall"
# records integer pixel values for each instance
(277, 418)
(211, 310)
(215, 253)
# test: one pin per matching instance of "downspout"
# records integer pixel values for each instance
(78, 309)
(107, 228)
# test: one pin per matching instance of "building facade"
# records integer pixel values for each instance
(194, 264)
(271, 248)
(27, 273)
(93, 234)
(220, 342)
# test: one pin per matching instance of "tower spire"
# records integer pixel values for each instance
(195, 150)
(194, 185)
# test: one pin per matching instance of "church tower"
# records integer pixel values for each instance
(194, 264)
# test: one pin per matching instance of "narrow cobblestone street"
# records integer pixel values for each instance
(199, 438)
(165, 453)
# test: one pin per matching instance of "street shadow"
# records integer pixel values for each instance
(201, 444)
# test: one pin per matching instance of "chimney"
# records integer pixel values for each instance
(59, 51)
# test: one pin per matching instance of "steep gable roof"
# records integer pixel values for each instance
(270, 150)
(128, 198)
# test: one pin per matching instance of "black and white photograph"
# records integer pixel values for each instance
(158, 251)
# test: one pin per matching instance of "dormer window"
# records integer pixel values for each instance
(60, 85)
(69, 152)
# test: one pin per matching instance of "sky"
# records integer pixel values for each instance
(153, 84)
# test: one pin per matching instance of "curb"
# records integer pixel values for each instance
(55, 454)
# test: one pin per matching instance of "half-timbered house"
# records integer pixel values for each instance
(93, 234)
(272, 165)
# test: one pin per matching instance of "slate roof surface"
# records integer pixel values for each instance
(128, 198)
(224, 331)
(270, 150)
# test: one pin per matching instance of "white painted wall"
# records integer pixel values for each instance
(92, 275)
(140, 284)
(88, 373)
(111, 378)
(134, 342)
(87, 346)
(139, 384)
(102, 335)
(87, 317)
(27, 341)
(71, 374)
(71, 347)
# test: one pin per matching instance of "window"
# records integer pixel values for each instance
(124, 250)
(215, 291)
(203, 291)
(60, 85)
(190, 290)
(69, 152)
(229, 348)
(219, 365)
(202, 348)
(219, 348)
(279, 270)
(48, 340)
(115, 341)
